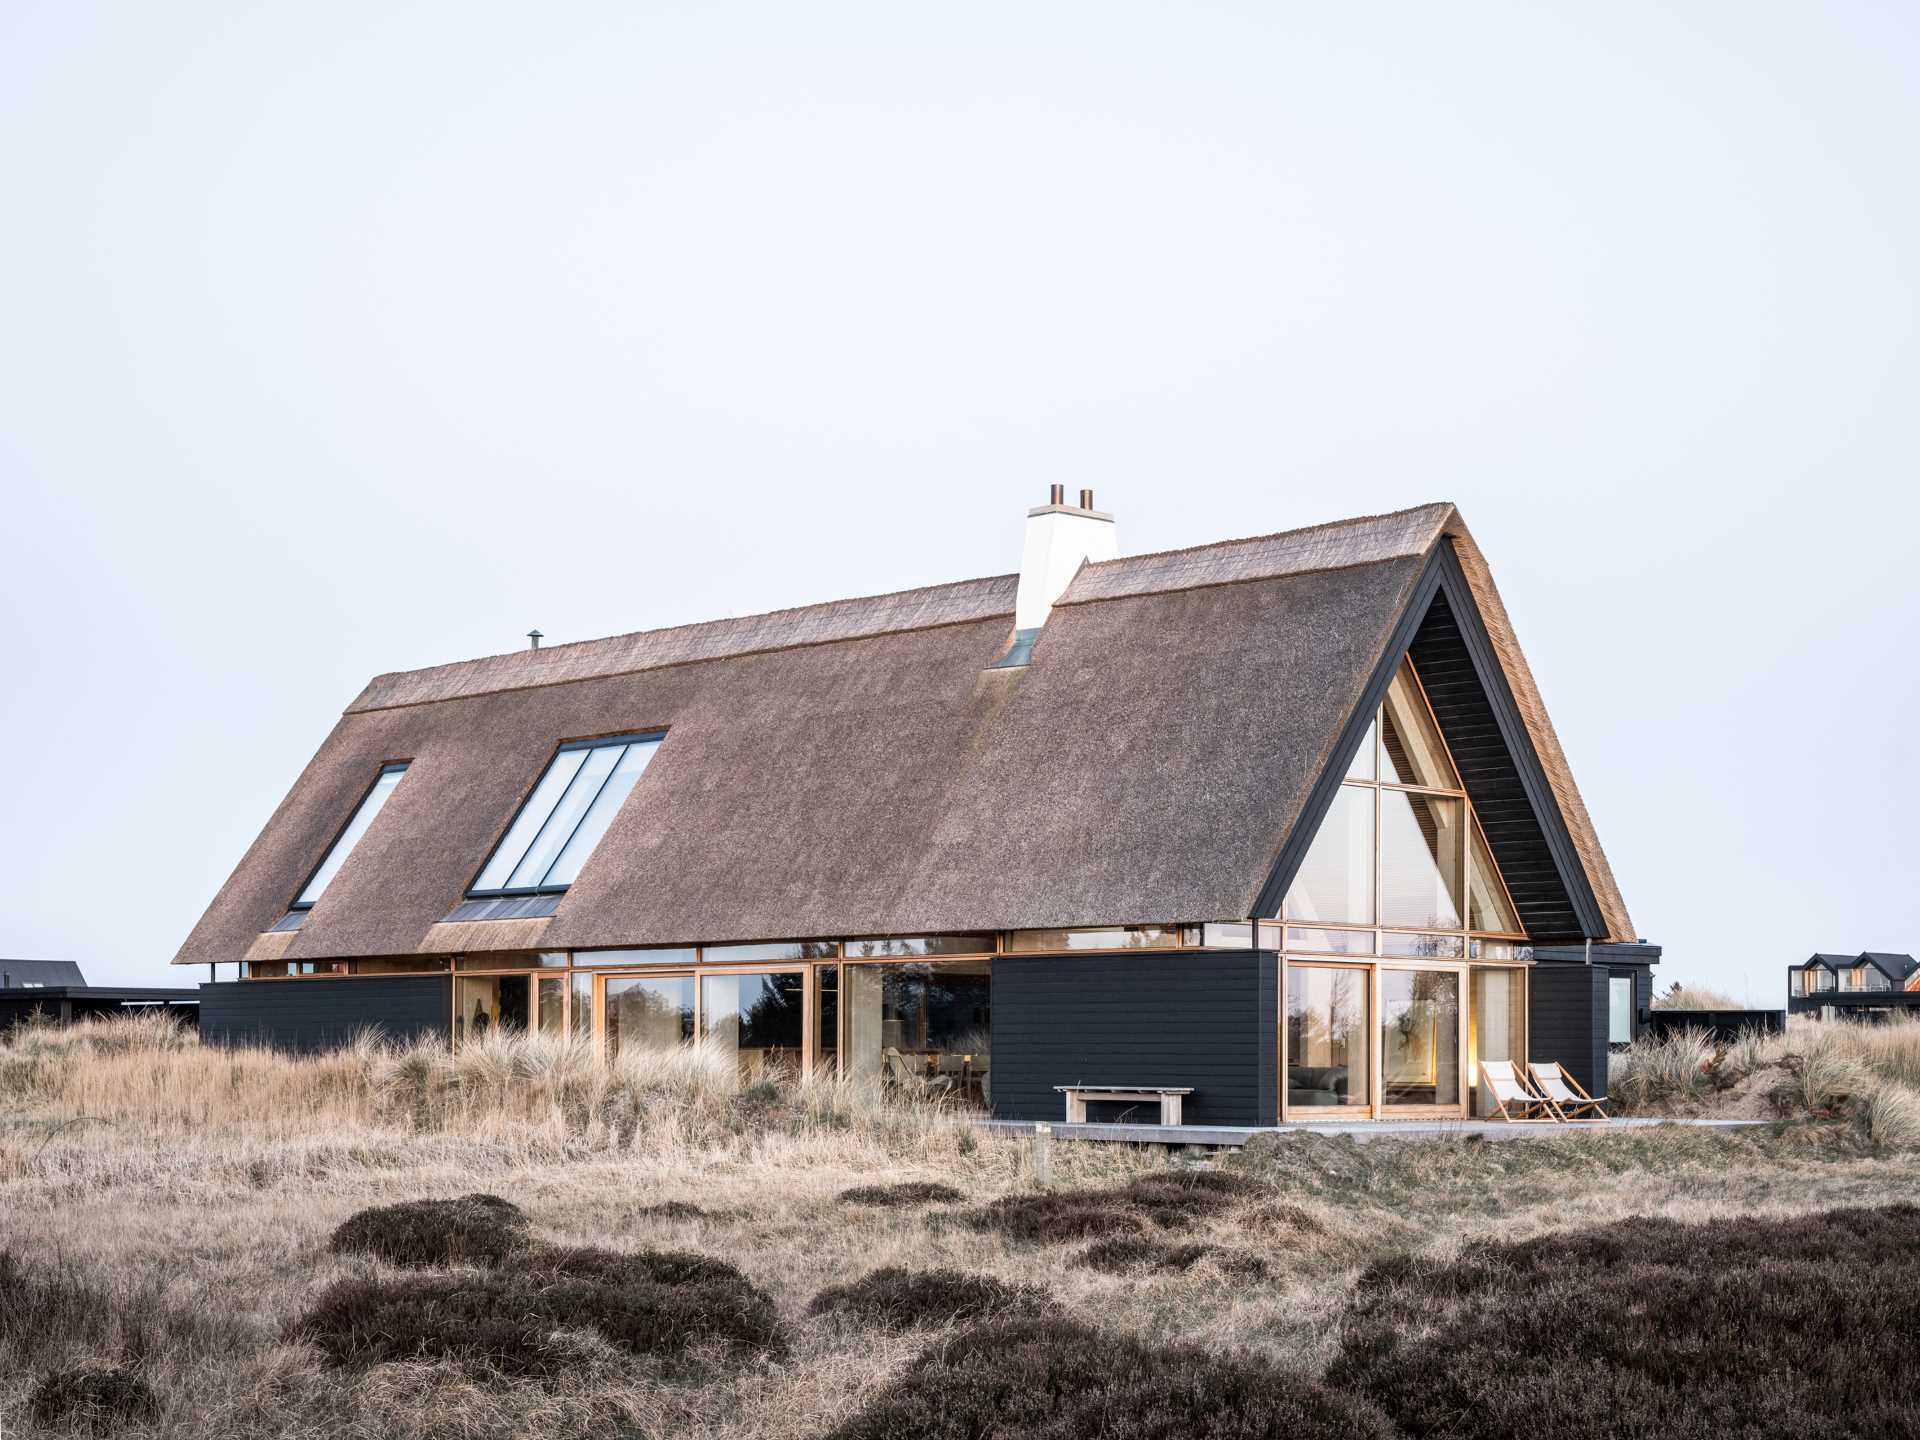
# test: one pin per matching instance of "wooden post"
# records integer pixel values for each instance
(1043, 1155)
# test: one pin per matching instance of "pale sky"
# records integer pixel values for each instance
(344, 338)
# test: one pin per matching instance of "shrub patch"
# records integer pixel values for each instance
(472, 1230)
(98, 1401)
(672, 1210)
(897, 1299)
(1755, 1329)
(1039, 1379)
(1170, 1198)
(911, 1192)
(1141, 1252)
(654, 1303)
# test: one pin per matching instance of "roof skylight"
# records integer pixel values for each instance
(565, 816)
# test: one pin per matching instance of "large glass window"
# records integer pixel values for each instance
(648, 1012)
(565, 816)
(1327, 1061)
(1419, 1037)
(921, 1027)
(1421, 859)
(1335, 883)
(336, 856)
(826, 1009)
(486, 1004)
(1497, 1023)
(758, 1018)
(1399, 847)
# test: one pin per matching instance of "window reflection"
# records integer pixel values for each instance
(922, 1028)
(1326, 1036)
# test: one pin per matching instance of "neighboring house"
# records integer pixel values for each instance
(55, 990)
(1871, 985)
(1280, 819)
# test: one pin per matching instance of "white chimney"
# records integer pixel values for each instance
(1059, 538)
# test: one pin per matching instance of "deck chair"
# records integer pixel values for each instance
(1564, 1094)
(898, 1070)
(1513, 1100)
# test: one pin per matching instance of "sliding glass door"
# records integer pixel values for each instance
(1420, 1040)
(1327, 1061)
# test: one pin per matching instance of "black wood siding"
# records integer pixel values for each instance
(1491, 775)
(311, 1015)
(1567, 1020)
(1210, 1021)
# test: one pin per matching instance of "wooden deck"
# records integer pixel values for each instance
(1234, 1136)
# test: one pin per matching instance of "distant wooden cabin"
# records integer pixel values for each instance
(1281, 820)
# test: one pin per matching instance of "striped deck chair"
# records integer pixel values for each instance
(1513, 1100)
(1570, 1102)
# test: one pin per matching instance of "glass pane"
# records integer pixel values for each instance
(593, 773)
(1229, 936)
(924, 945)
(1331, 942)
(1362, 766)
(349, 837)
(1496, 1026)
(1419, 1037)
(553, 1004)
(757, 1018)
(1335, 882)
(484, 1004)
(683, 955)
(649, 1012)
(605, 806)
(1326, 1037)
(1420, 857)
(779, 950)
(1619, 1009)
(1422, 947)
(1410, 749)
(532, 816)
(1487, 904)
(826, 1004)
(582, 1022)
(1120, 937)
(923, 1028)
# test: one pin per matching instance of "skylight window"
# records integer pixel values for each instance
(565, 816)
(370, 805)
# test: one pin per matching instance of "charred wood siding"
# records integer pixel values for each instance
(1154, 1018)
(1491, 776)
(1567, 1020)
(312, 1015)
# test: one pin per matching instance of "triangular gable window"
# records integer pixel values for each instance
(1399, 851)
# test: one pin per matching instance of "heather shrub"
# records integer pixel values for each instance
(656, 1304)
(1052, 1378)
(1749, 1329)
(912, 1192)
(51, 1307)
(472, 1230)
(92, 1401)
(1055, 1217)
(897, 1299)
(1174, 1198)
(1141, 1252)
(1169, 1198)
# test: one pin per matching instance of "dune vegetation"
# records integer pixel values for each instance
(521, 1239)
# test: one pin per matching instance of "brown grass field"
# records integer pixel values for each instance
(169, 1208)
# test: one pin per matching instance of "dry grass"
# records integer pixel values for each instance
(174, 1207)
(1694, 997)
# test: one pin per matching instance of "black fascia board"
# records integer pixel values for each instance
(1442, 576)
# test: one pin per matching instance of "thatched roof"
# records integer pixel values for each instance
(856, 768)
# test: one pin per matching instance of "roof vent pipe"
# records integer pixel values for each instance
(1060, 538)
(534, 637)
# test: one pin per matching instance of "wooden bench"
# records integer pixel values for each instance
(1169, 1097)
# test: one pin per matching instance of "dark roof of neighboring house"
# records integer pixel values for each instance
(855, 768)
(1893, 966)
(15, 973)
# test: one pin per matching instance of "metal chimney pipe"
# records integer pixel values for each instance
(1056, 494)
(1086, 499)
(535, 637)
